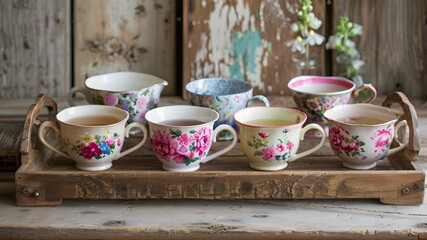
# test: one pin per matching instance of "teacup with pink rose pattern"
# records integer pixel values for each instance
(181, 136)
(361, 134)
(270, 136)
(316, 94)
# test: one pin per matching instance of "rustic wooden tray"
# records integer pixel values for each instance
(46, 179)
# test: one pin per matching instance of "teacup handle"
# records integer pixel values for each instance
(401, 146)
(220, 128)
(50, 124)
(411, 152)
(315, 148)
(140, 144)
(365, 94)
(261, 98)
(72, 94)
(41, 133)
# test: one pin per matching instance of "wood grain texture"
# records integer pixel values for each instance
(34, 48)
(243, 40)
(10, 141)
(392, 44)
(131, 35)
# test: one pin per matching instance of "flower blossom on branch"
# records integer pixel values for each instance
(306, 23)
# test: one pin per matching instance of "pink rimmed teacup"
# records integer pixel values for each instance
(182, 135)
(270, 136)
(316, 94)
(361, 134)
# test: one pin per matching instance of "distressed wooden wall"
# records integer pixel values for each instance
(130, 35)
(393, 44)
(243, 40)
(49, 46)
(34, 48)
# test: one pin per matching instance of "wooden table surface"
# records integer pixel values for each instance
(197, 219)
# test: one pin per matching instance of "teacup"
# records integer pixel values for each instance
(182, 135)
(226, 96)
(92, 135)
(270, 136)
(361, 134)
(137, 93)
(315, 94)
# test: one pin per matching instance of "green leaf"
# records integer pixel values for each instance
(258, 153)
(176, 133)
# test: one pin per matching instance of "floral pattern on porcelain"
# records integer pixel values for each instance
(181, 148)
(382, 138)
(136, 103)
(343, 143)
(95, 146)
(270, 150)
(315, 106)
(226, 105)
(351, 145)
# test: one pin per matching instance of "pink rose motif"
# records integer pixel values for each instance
(184, 139)
(110, 99)
(163, 144)
(263, 135)
(203, 140)
(336, 138)
(110, 141)
(119, 142)
(290, 146)
(280, 147)
(91, 150)
(314, 104)
(140, 102)
(268, 153)
(382, 137)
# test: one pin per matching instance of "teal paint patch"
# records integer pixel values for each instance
(244, 48)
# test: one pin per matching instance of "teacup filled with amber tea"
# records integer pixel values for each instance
(270, 136)
(361, 134)
(92, 135)
(181, 136)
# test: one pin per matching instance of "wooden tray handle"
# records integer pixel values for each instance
(28, 153)
(410, 153)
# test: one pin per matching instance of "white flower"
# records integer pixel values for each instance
(314, 38)
(297, 45)
(358, 29)
(333, 42)
(315, 23)
(357, 64)
(294, 27)
(349, 43)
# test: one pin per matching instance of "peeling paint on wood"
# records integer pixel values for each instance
(242, 40)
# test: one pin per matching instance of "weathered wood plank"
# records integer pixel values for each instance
(34, 48)
(392, 44)
(244, 40)
(157, 219)
(131, 35)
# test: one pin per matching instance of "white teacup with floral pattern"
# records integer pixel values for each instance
(361, 134)
(137, 93)
(181, 136)
(226, 96)
(316, 94)
(92, 135)
(270, 136)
